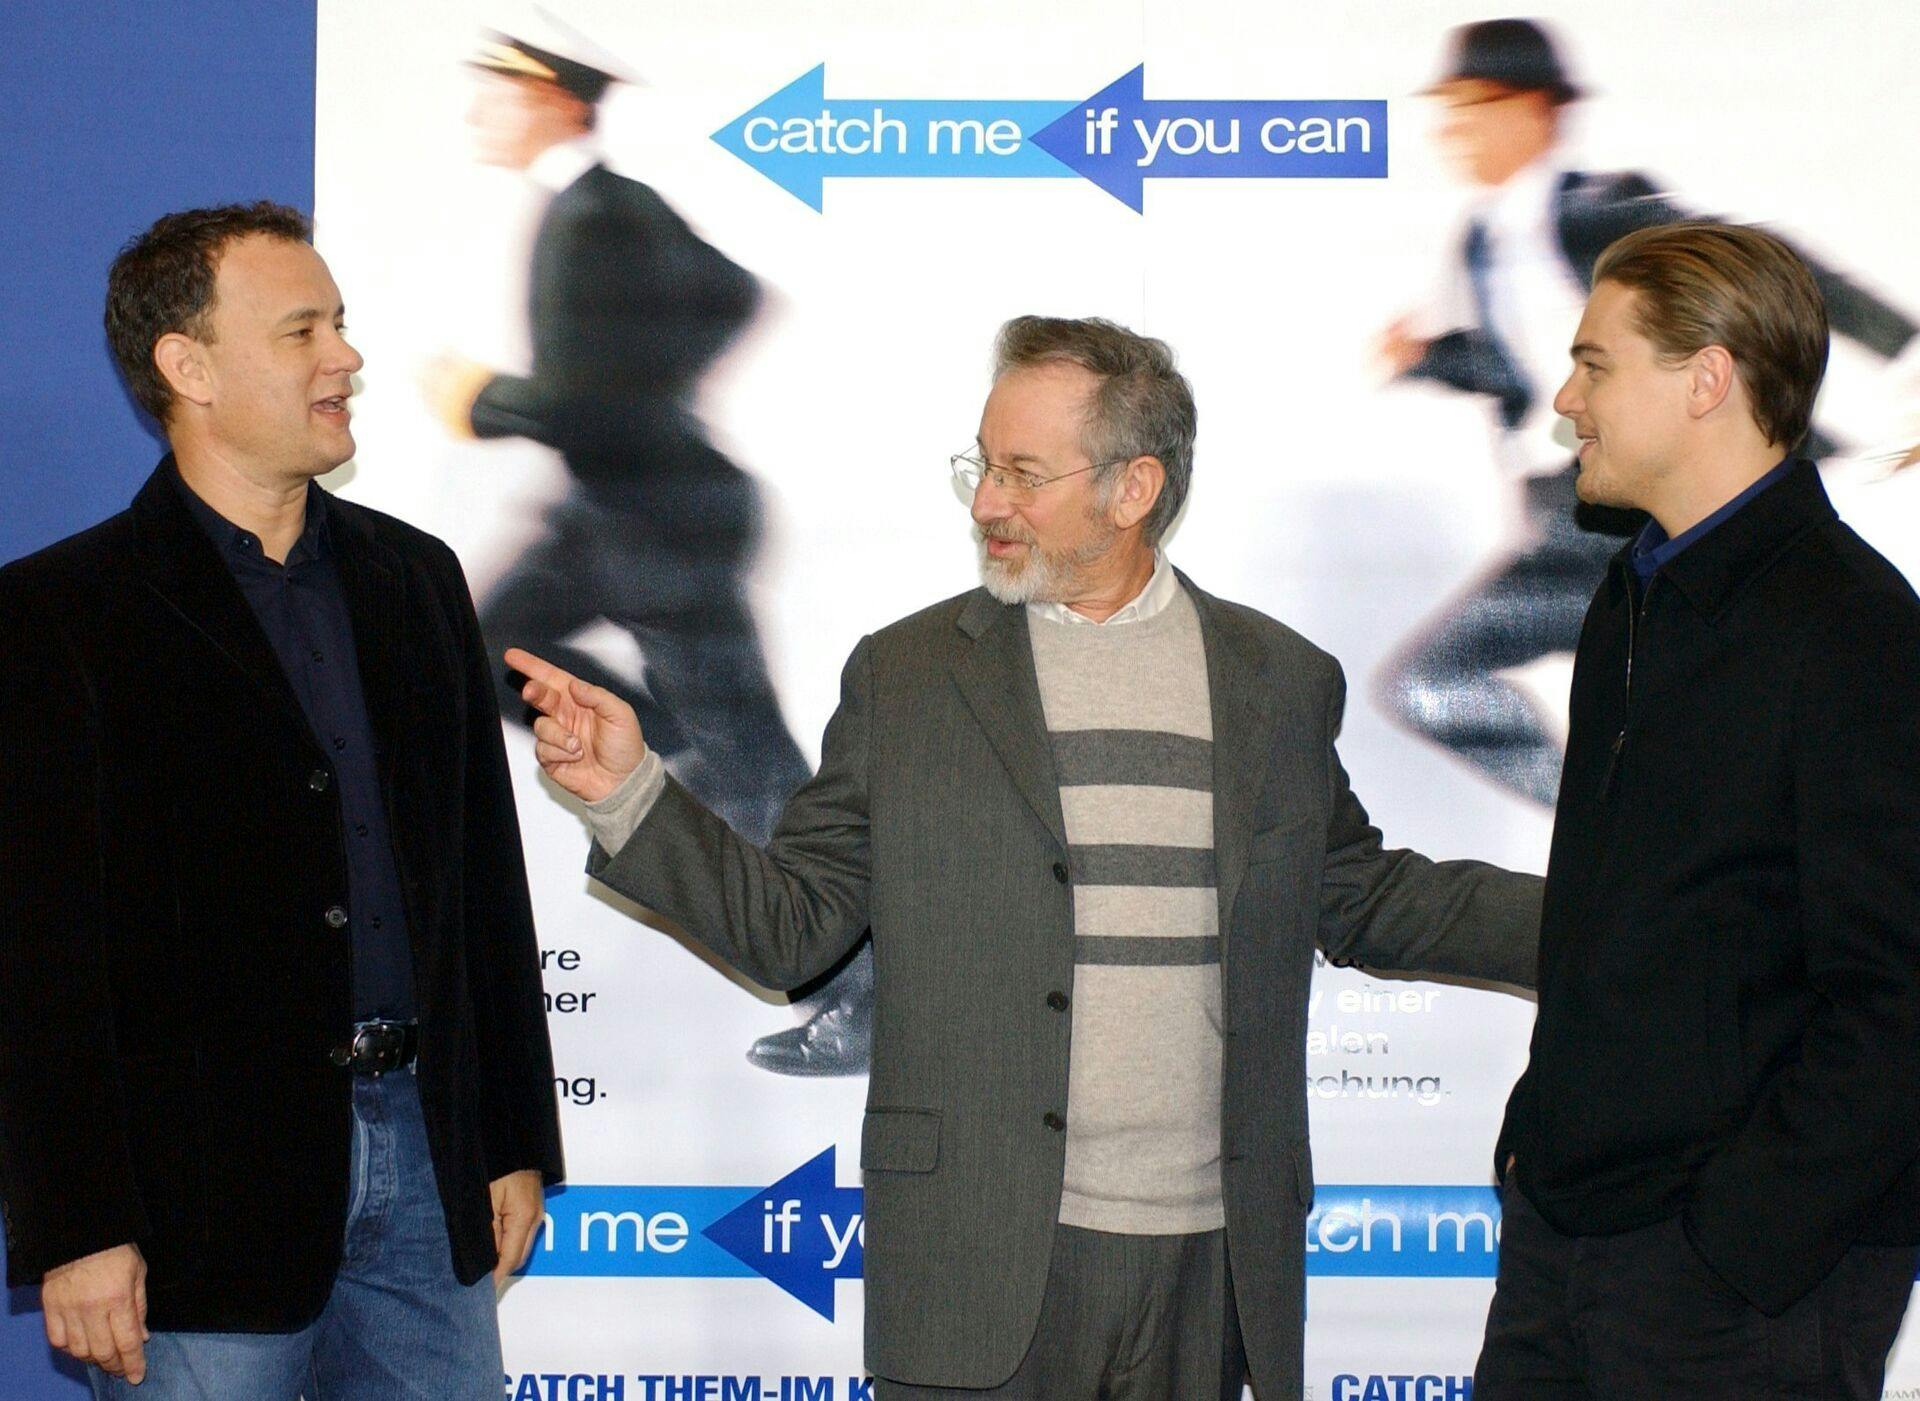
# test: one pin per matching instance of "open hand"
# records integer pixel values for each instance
(585, 737)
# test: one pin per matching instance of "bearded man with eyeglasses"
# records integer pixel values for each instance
(1094, 819)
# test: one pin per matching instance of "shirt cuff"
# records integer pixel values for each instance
(615, 818)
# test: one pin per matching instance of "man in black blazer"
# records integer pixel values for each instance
(628, 308)
(1712, 1163)
(1515, 283)
(274, 1073)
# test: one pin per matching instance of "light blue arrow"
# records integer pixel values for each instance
(1117, 139)
(799, 137)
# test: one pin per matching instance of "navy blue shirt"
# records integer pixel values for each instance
(1652, 548)
(303, 610)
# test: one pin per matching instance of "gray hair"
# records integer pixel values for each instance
(1143, 407)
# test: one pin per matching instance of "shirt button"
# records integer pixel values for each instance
(376, 922)
(318, 780)
(336, 917)
(1053, 1121)
(360, 829)
(316, 655)
(1057, 1000)
(339, 743)
(1060, 872)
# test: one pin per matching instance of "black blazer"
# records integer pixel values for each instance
(169, 986)
(628, 307)
(1591, 211)
(1729, 1023)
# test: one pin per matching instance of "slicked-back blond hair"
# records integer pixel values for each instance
(1702, 284)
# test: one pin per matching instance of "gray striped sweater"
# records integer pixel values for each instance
(1132, 731)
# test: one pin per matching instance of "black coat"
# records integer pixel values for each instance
(1729, 1023)
(169, 986)
(627, 307)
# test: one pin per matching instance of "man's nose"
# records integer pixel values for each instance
(990, 502)
(346, 359)
(1567, 403)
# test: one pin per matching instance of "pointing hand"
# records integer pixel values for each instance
(585, 737)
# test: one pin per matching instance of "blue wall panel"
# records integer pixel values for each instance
(112, 114)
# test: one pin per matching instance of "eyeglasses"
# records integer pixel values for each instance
(970, 469)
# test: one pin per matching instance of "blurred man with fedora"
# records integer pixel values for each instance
(1516, 277)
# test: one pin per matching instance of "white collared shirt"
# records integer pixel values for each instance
(559, 166)
(1536, 299)
(1159, 592)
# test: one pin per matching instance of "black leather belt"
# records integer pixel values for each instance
(378, 1048)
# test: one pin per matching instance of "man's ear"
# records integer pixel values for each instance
(1711, 378)
(1141, 482)
(182, 363)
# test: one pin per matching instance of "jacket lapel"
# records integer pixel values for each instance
(1244, 699)
(996, 677)
(184, 567)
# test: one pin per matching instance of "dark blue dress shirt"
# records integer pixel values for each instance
(1653, 548)
(303, 610)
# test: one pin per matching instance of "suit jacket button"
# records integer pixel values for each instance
(1053, 1121)
(318, 780)
(336, 917)
(1060, 872)
(1057, 1000)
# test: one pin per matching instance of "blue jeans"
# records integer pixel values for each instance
(398, 1325)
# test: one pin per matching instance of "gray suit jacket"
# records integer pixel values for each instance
(935, 820)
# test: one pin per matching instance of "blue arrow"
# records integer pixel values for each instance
(1118, 139)
(798, 137)
(802, 1233)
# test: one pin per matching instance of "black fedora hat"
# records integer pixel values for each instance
(1516, 53)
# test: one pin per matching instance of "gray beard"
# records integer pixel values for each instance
(1048, 576)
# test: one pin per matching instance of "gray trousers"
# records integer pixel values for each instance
(1130, 1318)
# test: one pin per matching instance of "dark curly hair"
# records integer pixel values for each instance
(162, 282)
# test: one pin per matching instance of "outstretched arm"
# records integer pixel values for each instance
(1399, 910)
(781, 916)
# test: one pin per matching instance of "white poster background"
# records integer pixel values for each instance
(1348, 508)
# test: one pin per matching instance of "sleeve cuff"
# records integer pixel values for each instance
(614, 818)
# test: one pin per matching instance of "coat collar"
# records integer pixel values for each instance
(1244, 696)
(1711, 572)
(181, 563)
(997, 679)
